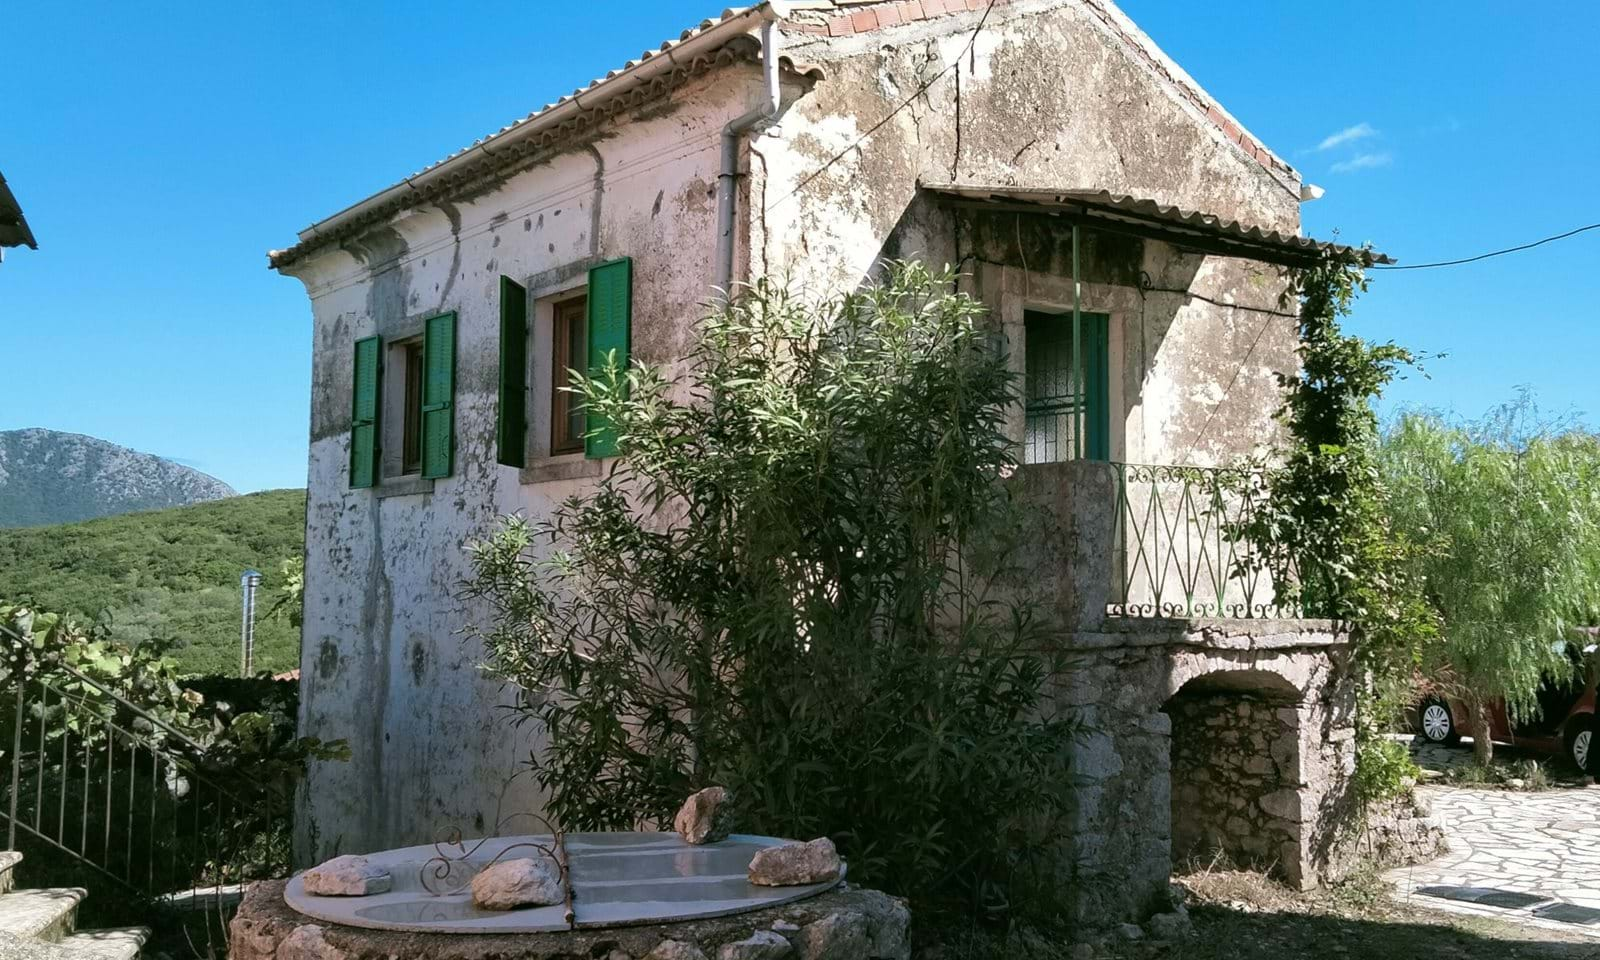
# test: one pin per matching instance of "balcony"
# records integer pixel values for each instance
(1123, 542)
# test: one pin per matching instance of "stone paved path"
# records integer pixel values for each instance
(1545, 843)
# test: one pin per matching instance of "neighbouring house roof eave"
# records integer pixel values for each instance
(696, 50)
(14, 229)
(1119, 213)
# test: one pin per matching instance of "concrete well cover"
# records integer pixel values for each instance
(618, 879)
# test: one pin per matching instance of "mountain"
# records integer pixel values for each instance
(168, 574)
(51, 477)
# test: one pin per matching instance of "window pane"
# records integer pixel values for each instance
(569, 340)
(411, 438)
(578, 341)
(1053, 400)
(1067, 401)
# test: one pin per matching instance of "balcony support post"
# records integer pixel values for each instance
(1079, 372)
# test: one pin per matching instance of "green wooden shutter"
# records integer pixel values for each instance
(438, 395)
(364, 413)
(1096, 336)
(610, 333)
(511, 426)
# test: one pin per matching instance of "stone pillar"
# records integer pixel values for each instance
(1117, 848)
(1328, 765)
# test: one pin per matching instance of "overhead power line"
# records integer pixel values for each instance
(1485, 256)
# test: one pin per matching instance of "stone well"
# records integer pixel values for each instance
(847, 923)
(616, 895)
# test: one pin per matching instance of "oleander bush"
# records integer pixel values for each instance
(786, 585)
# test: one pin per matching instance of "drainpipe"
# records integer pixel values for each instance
(732, 134)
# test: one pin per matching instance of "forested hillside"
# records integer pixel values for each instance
(167, 573)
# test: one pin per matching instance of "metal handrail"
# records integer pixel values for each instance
(131, 805)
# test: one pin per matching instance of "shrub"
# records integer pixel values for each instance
(787, 586)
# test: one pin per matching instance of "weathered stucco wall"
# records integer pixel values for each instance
(1047, 96)
(384, 663)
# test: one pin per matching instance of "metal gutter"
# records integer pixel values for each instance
(732, 135)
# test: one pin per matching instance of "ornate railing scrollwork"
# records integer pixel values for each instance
(1177, 554)
(451, 849)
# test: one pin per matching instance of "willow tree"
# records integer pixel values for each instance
(1508, 513)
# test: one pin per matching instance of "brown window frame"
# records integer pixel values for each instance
(411, 400)
(569, 328)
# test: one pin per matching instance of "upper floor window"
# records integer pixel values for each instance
(409, 356)
(569, 330)
(403, 405)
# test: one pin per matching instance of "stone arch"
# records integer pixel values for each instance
(1236, 768)
(1292, 674)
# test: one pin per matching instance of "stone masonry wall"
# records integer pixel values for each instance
(1232, 761)
(1394, 833)
(848, 923)
(1116, 855)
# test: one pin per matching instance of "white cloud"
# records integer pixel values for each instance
(1360, 131)
(1362, 161)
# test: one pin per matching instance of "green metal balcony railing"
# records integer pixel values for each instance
(1175, 552)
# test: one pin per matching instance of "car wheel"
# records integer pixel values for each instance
(1435, 723)
(1580, 740)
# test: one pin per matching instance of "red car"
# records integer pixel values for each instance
(1561, 727)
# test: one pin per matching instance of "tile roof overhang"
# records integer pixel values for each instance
(1140, 217)
(697, 49)
(706, 44)
(14, 230)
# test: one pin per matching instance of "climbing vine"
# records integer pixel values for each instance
(1325, 533)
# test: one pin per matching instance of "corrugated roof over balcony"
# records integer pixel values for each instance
(1140, 217)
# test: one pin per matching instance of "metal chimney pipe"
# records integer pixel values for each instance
(249, 581)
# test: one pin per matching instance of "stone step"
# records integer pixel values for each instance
(46, 915)
(8, 862)
(123, 943)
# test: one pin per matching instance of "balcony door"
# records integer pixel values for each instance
(1067, 395)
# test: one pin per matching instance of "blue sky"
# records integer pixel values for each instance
(159, 157)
